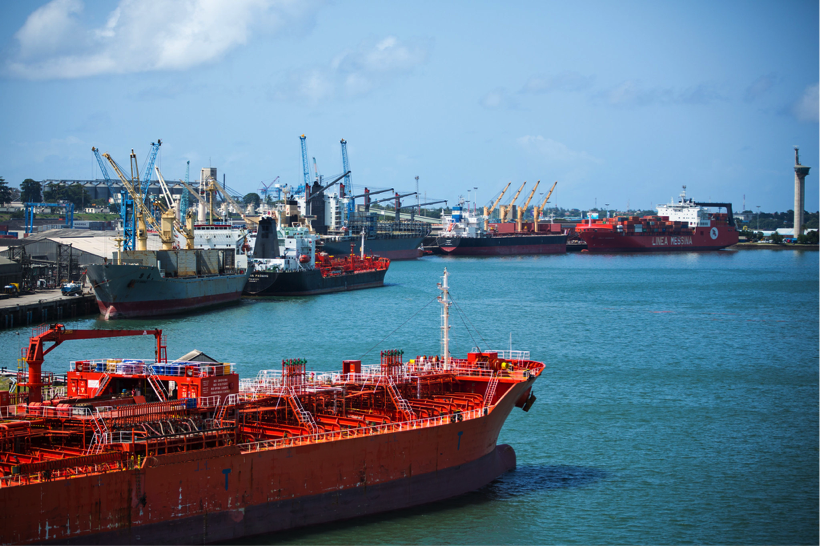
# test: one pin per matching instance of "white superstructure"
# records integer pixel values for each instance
(685, 210)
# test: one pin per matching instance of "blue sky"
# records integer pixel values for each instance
(620, 102)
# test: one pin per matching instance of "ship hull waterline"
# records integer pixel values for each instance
(399, 248)
(130, 291)
(309, 283)
(503, 245)
(226, 494)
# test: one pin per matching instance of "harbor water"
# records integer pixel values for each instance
(679, 403)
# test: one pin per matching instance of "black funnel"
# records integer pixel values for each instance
(267, 242)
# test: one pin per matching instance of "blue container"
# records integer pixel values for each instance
(190, 403)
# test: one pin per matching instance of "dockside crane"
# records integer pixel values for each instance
(536, 212)
(522, 210)
(165, 227)
(488, 212)
(419, 205)
(367, 194)
(348, 184)
(507, 210)
(188, 229)
(305, 167)
(397, 198)
(108, 181)
(249, 220)
(146, 178)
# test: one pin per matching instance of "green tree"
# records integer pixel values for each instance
(74, 194)
(5, 192)
(252, 198)
(776, 238)
(31, 191)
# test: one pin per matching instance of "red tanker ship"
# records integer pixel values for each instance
(681, 226)
(184, 451)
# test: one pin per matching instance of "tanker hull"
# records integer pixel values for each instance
(399, 248)
(306, 283)
(227, 493)
(503, 245)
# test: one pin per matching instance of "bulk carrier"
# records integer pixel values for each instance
(683, 226)
(463, 235)
(186, 452)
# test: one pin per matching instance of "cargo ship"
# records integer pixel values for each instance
(463, 235)
(185, 452)
(683, 226)
(147, 283)
(286, 263)
(337, 222)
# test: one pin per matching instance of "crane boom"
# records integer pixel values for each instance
(527, 204)
(517, 194)
(104, 172)
(248, 219)
(146, 177)
(57, 334)
(370, 193)
(547, 198)
(498, 200)
(193, 191)
(392, 198)
(138, 202)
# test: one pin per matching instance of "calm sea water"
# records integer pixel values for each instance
(679, 402)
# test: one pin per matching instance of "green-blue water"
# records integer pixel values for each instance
(679, 402)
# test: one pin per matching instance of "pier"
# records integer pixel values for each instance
(44, 306)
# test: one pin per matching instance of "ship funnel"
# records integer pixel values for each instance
(266, 246)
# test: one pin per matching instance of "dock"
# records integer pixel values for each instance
(44, 306)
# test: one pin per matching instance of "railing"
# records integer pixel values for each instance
(141, 366)
(387, 428)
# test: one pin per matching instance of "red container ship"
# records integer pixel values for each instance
(181, 452)
(681, 226)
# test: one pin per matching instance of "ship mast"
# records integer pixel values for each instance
(444, 299)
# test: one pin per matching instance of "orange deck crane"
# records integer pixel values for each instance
(522, 210)
(507, 210)
(57, 333)
(487, 213)
(538, 210)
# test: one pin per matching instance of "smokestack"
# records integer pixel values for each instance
(800, 173)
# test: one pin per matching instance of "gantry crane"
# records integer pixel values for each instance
(487, 212)
(522, 210)
(187, 230)
(536, 213)
(305, 167)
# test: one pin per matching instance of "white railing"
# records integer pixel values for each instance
(512, 355)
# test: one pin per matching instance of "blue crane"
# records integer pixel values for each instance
(183, 201)
(146, 172)
(305, 167)
(108, 181)
(351, 205)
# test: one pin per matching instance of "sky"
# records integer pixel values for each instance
(620, 102)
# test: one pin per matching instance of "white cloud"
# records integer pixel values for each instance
(806, 109)
(355, 72)
(498, 98)
(552, 150)
(632, 93)
(143, 35)
(568, 81)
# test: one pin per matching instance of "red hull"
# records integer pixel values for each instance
(715, 237)
(226, 493)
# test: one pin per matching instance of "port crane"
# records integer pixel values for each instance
(108, 181)
(305, 167)
(367, 193)
(397, 198)
(249, 220)
(522, 210)
(56, 334)
(419, 205)
(188, 229)
(488, 212)
(536, 212)
(507, 210)
(143, 213)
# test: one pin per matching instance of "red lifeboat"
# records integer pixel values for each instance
(304, 258)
